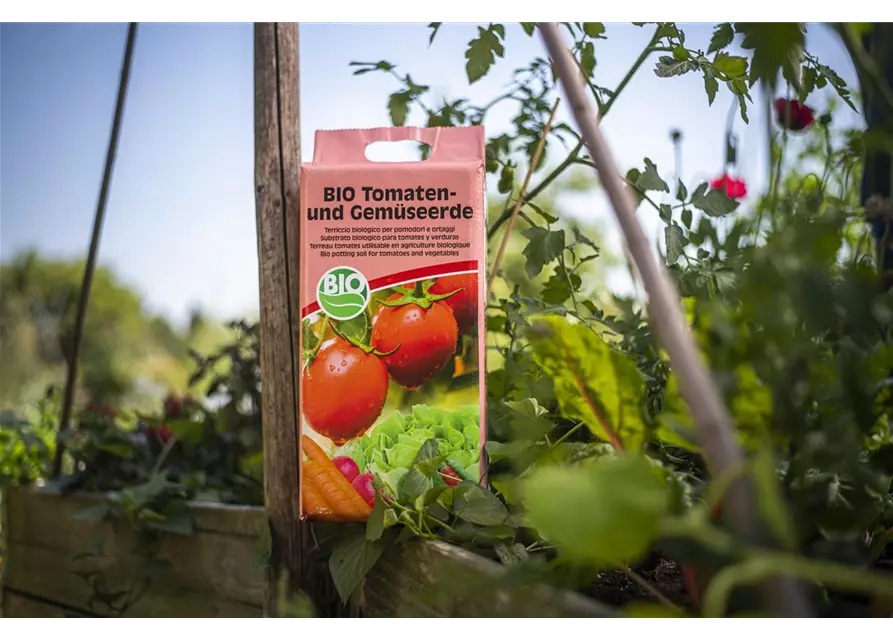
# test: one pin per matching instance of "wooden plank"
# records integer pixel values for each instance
(278, 348)
(45, 573)
(220, 565)
(435, 579)
(18, 607)
(44, 517)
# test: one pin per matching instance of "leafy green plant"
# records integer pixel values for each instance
(594, 462)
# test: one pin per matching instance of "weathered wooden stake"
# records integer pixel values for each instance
(276, 163)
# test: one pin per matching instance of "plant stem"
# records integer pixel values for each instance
(534, 160)
(714, 423)
(770, 564)
(86, 284)
(651, 589)
(867, 69)
(572, 156)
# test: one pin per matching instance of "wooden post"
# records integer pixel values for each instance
(276, 163)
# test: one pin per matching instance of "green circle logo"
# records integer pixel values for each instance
(343, 293)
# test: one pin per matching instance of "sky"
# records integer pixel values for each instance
(180, 224)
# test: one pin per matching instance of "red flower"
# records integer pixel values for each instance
(162, 432)
(792, 115)
(734, 188)
(102, 409)
(173, 406)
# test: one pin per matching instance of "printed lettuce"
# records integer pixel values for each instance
(390, 448)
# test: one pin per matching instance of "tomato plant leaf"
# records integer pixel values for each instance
(668, 67)
(713, 202)
(650, 180)
(434, 26)
(675, 240)
(375, 522)
(594, 29)
(560, 286)
(731, 66)
(775, 45)
(722, 37)
(616, 527)
(587, 58)
(711, 85)
(398, 107)
(543, 247)
(483, 50)
(529, 27)
(186, 430)
(594, 383)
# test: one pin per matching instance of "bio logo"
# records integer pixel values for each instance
(342, 293)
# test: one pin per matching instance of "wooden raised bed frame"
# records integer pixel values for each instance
(215, 573)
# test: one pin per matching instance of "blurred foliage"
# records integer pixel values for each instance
(128, 356)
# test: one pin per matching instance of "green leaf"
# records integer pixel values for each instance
(506, 179)
(776, 46)
(543, 247)
(477, 505)
(398, 107)
(434, 26)
(117, 449)
(483, 50)
(529, 27)
(594, 29)
(594, 383)
(375, 522)
(513, 555)
(732, 66)
(548, 217)
(686, 218)
(676, 242)
(178, 521)
(587, 59)
(560, 286)
(351, 560)
(770, 499)
(681, 53)
(807, 83)
(186, 430)
(92, 513)
(714, 202)
(668, 67)
(665, 212)
(651, 180)
(722, 37)
(359, 328)
(711, 86)
(583, 510)
(412, 485)
(681, 191)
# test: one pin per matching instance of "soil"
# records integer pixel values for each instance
(617, 589)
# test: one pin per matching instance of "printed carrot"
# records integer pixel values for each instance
(352, 501)
(348, 505)
(313, 502)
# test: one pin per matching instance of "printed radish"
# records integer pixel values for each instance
(363, 485)
(347, 467)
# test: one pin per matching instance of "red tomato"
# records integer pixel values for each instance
(465, 303)
(424, 339)
(347, 467)
(343, 391)
(363, 485)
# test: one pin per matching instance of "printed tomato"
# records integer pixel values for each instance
(343, 390)
(465, 303)
(423, 340)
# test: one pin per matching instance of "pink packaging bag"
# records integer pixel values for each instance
(393, 269)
